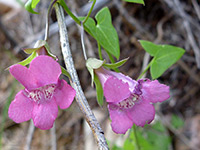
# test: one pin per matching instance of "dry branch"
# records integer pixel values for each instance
(80, 97)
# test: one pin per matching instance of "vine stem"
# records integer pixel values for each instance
(90, 11)
(80, 97)
(145, 70)
(47, 19)
(136, 139)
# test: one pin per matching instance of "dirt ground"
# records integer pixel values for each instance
(175, 22)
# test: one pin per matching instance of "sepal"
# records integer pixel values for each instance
(93, 63)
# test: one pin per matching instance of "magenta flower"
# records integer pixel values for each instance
(129, 101)
(43, 92)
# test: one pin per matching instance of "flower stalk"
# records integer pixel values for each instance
(80, 97)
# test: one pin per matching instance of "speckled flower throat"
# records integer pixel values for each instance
(44, 93)
(132, 99)
(129, 102)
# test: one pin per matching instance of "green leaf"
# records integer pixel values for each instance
(90, 25)
(177, 122)
(129, 145)
(159, 126)
(106, 34)
(30, 50)
(29, 8)
(142, 142)
(65, 72)
(28, 60)
(115, 147)
(135, 1)
(103, 31)
(34, 3)
(165, 58)
(93, 63)
(99, 90)
(150, 47)
(38, 45)
(115, 65)
(158, 140)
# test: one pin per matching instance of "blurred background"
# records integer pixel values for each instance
(175, 22)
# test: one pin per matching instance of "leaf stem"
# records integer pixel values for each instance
(63, 4)
(47, 19)
(146, 69)
(82, 41)
(112, 61)
(89, 13)
(99, 51)
(80, 97)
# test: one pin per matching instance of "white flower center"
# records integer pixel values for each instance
(45, 92)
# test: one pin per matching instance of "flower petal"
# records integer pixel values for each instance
(120, 121)
(115, 90)
(44, 114)
(141, 113)
(45, 69)
(20, 109)
(154, 91)
(104, 74)
(64, 94)
(132, 83)
(24, 76)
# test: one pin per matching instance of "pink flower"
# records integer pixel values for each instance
(129, 101)
(43, 92)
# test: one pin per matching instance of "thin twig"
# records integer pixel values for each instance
(196, 7)
(30, 135)
(53, 137)
(80, 97)
(130, 19)
(189, 32)
(190, 72)
(186, 16)
(7, 34)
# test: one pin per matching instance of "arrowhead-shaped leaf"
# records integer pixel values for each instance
(90, 25)
(150, 47)
(103, 31)
(106, 34)
(164, 57)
